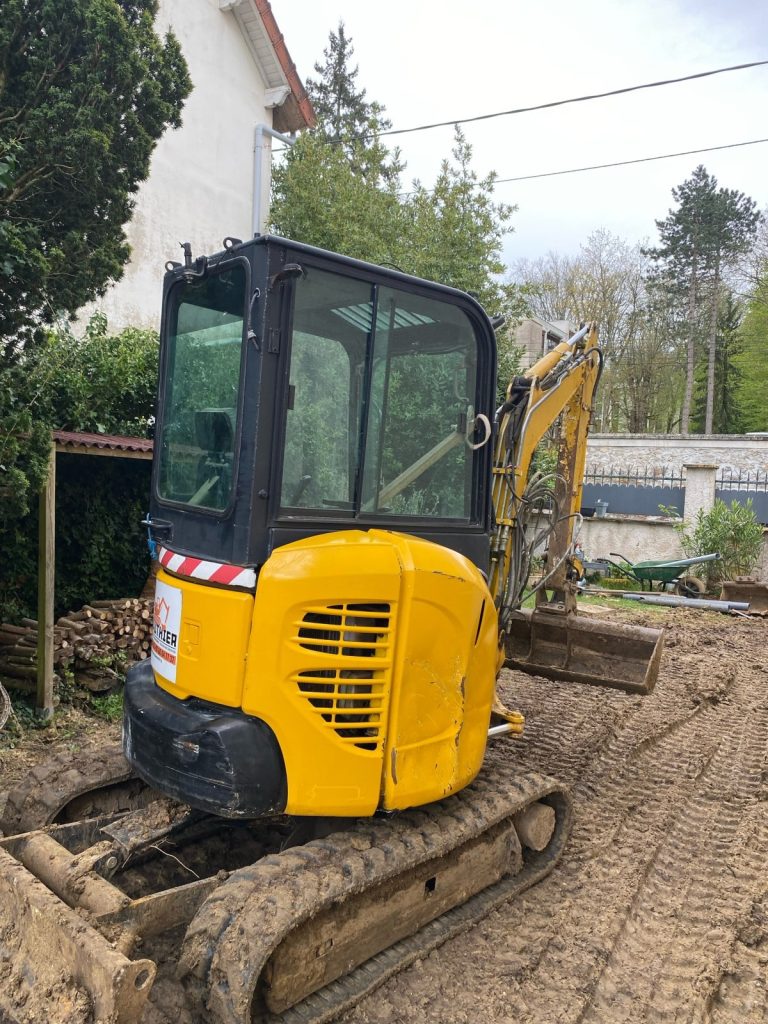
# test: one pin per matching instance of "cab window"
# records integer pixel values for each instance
(381, 397)
(331, 329)
(423, 383)
(197, 441)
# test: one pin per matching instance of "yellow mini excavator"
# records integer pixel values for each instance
(345, 524)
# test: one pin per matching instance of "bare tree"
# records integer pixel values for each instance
(605, 283)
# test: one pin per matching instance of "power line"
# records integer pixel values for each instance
(544, 106)
(561, 103)
(615, 163)
(624, 163)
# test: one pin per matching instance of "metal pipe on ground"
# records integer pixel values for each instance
(672, 601)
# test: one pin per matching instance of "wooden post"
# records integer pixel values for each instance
(46, 560)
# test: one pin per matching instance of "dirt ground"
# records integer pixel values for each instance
(24, 746)
(658, 911)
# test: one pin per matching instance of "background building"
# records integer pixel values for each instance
(201, 183)
(536, 336)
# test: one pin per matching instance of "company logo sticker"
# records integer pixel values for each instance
(166, 625)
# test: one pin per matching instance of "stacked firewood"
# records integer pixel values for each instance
(94, 644)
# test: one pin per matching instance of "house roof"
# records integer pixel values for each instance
(75, 442)
(285, 91)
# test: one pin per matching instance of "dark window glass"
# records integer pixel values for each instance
(197, 445)
(331, 328)
(423, 384)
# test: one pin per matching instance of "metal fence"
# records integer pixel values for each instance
(633, 490)
(743, 487)
(641, 491)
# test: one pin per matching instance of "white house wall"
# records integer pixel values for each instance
(200, 187)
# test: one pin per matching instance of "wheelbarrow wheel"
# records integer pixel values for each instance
(690, 586)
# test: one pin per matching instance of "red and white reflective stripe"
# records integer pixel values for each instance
(214, 572)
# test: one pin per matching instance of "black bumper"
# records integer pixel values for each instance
(210, 757)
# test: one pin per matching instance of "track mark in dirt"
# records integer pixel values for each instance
(743, 984)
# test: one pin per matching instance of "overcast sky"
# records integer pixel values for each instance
(439, 60)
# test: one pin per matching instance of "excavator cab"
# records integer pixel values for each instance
(321, 502)
(304, 393)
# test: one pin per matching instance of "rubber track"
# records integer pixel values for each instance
(39, 798)
(235, 932)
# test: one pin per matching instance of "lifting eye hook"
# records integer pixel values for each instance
(481, 420)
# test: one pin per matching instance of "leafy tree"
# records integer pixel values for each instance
(455, 230)
(86, 90)
(648, 380)
(726, 414)
(549, 283)
(104, 383)
(97, 383)
(732, 230)
(100, 383)
(509, 363)
(752, 359)
(605, 282)
(318, 198)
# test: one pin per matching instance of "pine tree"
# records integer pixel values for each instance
(727, 416)
(682, 264)
(346, 118)
(700, 241)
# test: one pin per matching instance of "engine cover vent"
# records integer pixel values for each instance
(348, 684)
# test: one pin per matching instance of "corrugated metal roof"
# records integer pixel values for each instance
(75, 439)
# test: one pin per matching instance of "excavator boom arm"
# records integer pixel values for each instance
(552, 639)
(561, 383)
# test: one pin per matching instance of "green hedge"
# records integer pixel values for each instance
(101, 549)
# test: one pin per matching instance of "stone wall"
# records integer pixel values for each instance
(744, 452)
(637, 538)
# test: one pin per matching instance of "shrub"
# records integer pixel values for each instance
(732, 531)
(101, 383)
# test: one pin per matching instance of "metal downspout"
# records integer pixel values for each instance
(259, 218)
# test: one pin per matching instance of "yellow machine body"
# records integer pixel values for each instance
(371, 655)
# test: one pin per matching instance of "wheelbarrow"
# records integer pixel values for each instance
(665, 573)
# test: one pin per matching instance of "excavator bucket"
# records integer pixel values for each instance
(571, 647)
(57, 967)
(746, 588)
